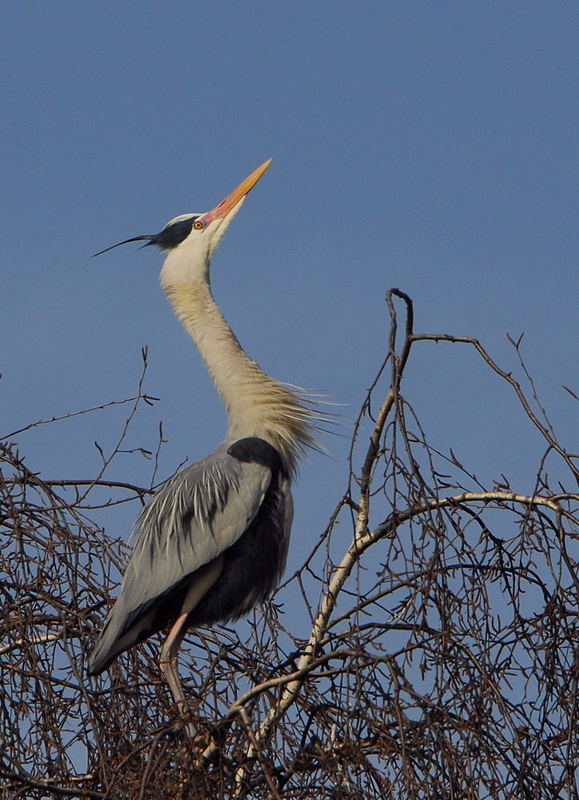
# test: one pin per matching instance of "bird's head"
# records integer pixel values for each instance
(191, 239)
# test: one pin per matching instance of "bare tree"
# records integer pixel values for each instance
(435, 655)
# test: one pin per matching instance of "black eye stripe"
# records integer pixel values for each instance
(174, 234)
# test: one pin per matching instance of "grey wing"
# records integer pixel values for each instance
(198, 514)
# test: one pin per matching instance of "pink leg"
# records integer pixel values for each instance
(168, 666)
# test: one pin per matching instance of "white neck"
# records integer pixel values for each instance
(256, 404)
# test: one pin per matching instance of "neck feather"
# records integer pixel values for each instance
(257, 405)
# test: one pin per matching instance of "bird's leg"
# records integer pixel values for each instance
(205, 577)
(168, 666)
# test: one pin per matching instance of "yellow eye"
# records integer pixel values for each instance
(198, 225)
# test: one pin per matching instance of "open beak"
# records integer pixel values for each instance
(236, 196)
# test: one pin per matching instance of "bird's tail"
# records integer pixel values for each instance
(118, 634)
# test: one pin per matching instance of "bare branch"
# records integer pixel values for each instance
(431, 649)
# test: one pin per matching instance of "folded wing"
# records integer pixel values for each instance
(230, 512)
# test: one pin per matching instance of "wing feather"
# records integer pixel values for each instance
(196, 515)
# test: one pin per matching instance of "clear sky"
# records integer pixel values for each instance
(428, 146)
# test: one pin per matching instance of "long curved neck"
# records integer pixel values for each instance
(257, 405)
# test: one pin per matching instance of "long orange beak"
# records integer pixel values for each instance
(232, 199)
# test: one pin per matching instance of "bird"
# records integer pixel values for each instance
(213, 541)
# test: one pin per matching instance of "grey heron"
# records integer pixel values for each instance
(213, 540)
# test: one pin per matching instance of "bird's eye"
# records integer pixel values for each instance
(198, 225)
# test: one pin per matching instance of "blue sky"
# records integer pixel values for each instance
(428, 146)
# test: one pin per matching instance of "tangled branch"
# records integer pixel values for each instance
(434, 653)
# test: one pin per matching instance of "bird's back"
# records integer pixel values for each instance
(217, 530)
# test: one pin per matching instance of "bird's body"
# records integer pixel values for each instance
(221, 524)
(213, 540)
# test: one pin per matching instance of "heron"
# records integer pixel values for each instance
(213, 540)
